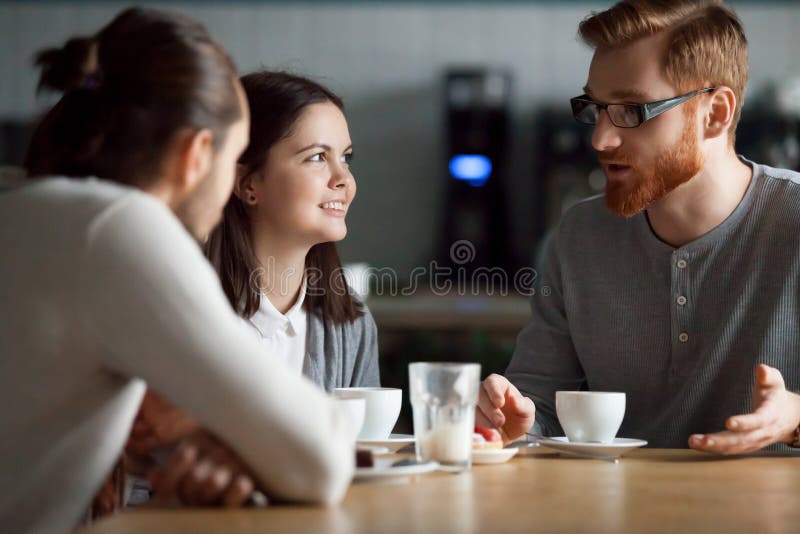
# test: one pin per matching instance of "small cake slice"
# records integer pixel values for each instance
(364, 458)
(486, 439)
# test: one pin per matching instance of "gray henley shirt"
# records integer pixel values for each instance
(679, 330)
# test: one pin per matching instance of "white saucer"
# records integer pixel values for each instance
(383, 469)
(394, 442)
(615, 449)
(377, 451)
(493, 456)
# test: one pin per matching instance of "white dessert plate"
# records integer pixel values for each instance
(383, 468)
(493, 456)
(393, 442)
(374, 449)
(614, 449)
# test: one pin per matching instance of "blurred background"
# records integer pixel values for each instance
(460, 120)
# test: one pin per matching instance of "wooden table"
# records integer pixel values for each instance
(647, 491)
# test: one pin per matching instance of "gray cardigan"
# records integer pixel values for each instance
(342, 355)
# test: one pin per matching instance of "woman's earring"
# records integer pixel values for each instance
(252, 198)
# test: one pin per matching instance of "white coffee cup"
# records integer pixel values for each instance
(354, 407)
(590, 416)
(382, 410)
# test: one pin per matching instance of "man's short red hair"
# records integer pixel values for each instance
(707, 42)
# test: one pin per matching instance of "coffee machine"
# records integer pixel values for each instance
(477, 102)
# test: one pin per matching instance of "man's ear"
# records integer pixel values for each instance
(243, 188)
(196, 159)
(719, 112)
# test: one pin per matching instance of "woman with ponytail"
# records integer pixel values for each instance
(275, 249)
(105, 289)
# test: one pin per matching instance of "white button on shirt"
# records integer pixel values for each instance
(283, 335)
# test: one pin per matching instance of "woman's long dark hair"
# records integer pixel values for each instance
(277, 99)
(127, 91)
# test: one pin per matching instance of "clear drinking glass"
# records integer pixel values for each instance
(443, 399)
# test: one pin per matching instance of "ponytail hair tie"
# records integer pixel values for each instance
(92, 67)
(92, 81)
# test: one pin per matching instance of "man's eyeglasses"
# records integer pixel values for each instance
(587, 111)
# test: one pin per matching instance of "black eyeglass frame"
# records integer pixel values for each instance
(644, 112)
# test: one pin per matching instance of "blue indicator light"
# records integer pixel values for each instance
(474, 169)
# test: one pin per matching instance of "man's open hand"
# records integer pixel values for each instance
(775, 416)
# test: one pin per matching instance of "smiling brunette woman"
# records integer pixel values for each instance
(275, 251)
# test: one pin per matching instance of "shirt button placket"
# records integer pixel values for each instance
(681, 313)
(681, 299)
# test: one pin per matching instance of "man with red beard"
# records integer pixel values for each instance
(683, 284)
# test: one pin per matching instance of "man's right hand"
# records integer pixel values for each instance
(502, 406)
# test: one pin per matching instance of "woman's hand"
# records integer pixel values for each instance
(158, 425)
(201, 471)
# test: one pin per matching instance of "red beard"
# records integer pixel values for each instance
(674, 167)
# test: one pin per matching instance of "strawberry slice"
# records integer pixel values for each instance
(489, 434)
